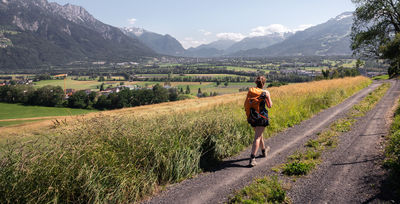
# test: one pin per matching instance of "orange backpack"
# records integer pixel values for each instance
(253, 100)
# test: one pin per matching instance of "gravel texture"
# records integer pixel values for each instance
(352, 173)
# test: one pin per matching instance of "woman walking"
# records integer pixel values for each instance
(257, 116)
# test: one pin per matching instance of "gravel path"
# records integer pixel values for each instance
(233, 174)
(352, 172)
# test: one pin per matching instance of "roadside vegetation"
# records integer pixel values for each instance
(306, 159)
(263, 190)
(381, 77)
(128, 157)
(392, 154)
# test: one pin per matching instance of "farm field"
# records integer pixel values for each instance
(113, 147)
(75, 84)
(18, 111)
(242, 69)
(233, 87)
(70, 84)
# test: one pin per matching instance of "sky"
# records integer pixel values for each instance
(196, 22)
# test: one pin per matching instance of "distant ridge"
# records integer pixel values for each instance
(36, 33)
(329, 38)
(162, 44)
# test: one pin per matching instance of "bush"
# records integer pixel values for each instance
(297, 168)
(265, 190)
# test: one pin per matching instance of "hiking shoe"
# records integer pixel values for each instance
(252, 162)
(265, 151)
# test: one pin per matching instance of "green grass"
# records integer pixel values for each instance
(246, 69)
(18, 122)
(14, 111)
(264, 190)
(126, 158)
(75, 84)
(232, 87)
(382, 77)
(392, 153)
(298, 168)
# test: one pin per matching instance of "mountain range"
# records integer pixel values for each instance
(329, 38)
(37, 33)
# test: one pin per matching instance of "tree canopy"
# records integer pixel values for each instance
(375, 30)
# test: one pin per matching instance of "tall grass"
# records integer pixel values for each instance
(126, 158)
(392, 154)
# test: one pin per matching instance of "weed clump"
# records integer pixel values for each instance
(298, 168)
(264, 190)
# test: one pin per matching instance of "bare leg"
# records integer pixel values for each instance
(262, 144)
(257, 139)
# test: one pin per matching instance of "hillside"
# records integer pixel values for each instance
(162, 44)
(39, 33)
(330, 38)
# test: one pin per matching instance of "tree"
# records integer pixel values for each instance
(187, 89)
(102, 103)
(325, 73)
(173, 94)
(160, 94)
(226, 83)
(218, 83)
(102, 87)
(48, 96)
(199, 91)
(78, 100)
(375, 31)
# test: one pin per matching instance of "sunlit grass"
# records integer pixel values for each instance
(127, 156)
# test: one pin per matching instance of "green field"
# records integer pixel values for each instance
(15, 111)
(208, 87)
(382, 77)
(16, 122)
(75, 84)
(246, 69)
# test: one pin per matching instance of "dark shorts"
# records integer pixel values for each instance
(257, 119)
(263, 123)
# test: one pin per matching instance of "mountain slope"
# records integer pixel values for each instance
(162, 44)
(41, 33)
(256, 42)
(330, 38)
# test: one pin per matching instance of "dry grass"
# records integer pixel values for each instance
(122, 156)
(281, 96)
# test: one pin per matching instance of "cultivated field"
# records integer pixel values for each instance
(127, 154)
(12, 114)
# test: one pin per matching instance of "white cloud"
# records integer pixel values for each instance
(268, 30)
(231, 36)
(132, 21)
(190, 42)
(204, 32)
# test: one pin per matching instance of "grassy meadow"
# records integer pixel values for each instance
(127, 157)
(15, 114)
(15, 111)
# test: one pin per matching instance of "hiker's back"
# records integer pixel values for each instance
(256, 98)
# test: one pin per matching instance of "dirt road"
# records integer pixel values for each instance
(352, 173)
(233, 174)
